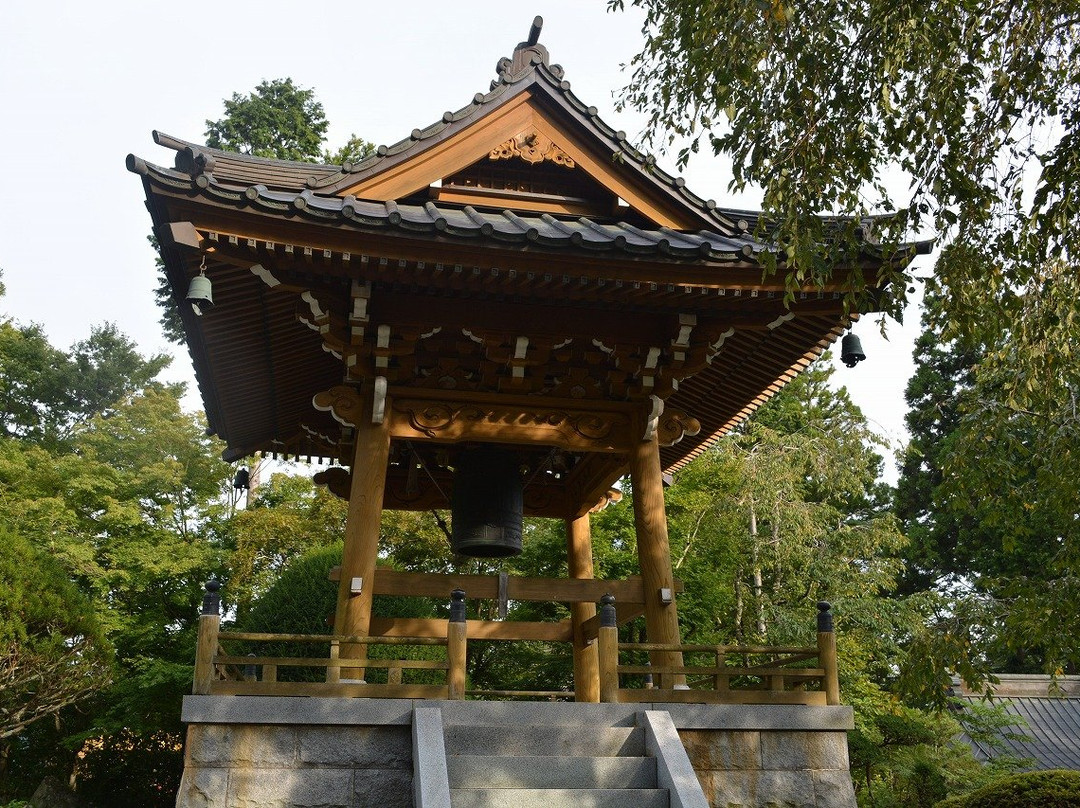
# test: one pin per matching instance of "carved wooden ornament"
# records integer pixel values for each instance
(532, 148)
(342, 402)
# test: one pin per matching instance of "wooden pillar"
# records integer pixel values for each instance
(579, 557)
(654, 557)
(362, 526)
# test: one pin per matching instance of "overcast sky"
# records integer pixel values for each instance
(83, 84)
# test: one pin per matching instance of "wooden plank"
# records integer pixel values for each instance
(340, 689)
(390, 627)
(327, 662)
(257, 636)
(791, 673)
(637, 696)
(808, 653)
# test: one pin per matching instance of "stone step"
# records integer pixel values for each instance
(545, 740)
(549, 772)
(559, 798)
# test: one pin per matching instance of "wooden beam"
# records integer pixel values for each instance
(486, 587)
(476, 629)
(596, 427)
(624, 613)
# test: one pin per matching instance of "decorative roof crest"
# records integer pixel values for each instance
(527, 55)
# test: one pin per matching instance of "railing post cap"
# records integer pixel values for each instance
(211, 602)
(608, 600)
(457, 606)
(824, 617)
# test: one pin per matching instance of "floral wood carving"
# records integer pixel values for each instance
(581, 430)
(532, 148)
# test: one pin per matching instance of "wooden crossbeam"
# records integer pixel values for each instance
(624, 613)
(486, 587)
(476, 629)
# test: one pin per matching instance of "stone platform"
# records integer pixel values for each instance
(268, 752)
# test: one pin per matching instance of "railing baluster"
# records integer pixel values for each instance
(333, 672)
(720, 680)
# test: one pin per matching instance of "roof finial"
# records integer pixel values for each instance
(534, 32)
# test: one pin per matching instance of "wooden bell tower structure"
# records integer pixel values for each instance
(514, 275)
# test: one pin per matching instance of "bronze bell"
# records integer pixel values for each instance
(486, 503)
(851, 352)
(199, 294)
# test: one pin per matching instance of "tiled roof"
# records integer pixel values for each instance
(1050, 728)
(527, 70)
(452, 221)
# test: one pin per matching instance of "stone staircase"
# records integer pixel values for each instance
(551, 767)
(550, 759)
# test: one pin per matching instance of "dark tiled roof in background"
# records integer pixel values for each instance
(1052, 732)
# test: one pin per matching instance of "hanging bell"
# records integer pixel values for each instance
(242, 480)
(486, 504)
(199, 294)
(851, 352)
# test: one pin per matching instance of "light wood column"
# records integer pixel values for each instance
(579, 557)
(654, 557)
(362, 527)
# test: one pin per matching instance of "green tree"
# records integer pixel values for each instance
(53, 650)
(277, 119)
(987, 487)
(977, 105)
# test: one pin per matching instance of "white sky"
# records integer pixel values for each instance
(83, 84)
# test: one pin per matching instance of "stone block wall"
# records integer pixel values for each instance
(777, 769)
(296, 766)
(277, 752)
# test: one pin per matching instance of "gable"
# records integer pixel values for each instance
(541, 161)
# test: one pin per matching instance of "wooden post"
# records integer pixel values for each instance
(654, 558)
(333, 672)
(826, 643)
(456, 647)
(206, 649)
(357, 583)
(721, 681)
(608, 642)
(586, 660)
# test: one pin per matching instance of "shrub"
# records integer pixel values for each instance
(299, 603)
(1047, 789)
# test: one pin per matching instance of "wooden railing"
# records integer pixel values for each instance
(687, 673)
(718, 674)
(219, 673)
